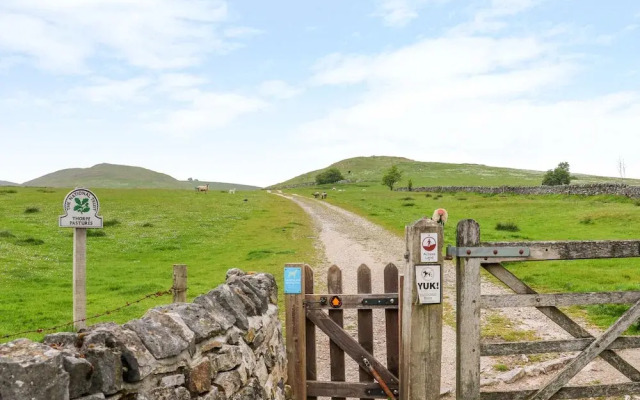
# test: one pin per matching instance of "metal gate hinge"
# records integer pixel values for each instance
(488, 252)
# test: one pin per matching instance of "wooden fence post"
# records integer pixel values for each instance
(179, 283)
(422, 323)
(80, 277)
(296, 330)
(468, 314)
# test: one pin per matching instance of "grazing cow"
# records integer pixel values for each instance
(232, 191)
(203, 188)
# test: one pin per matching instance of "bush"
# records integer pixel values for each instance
(332, 175)
(410, 185)
(507, 226)
(558, 176)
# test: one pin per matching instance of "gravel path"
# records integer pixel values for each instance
(348, 240)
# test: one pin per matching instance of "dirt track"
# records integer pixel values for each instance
(348, 240)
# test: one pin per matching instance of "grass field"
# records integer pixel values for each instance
(520, 218)
(146, 232)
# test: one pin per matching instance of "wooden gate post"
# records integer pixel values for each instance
(468, 314)
(422, 323)
(295, 318)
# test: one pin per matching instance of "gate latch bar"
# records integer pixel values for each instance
(488, 252)
(381, 301)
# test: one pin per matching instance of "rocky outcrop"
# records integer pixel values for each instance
(225, 345)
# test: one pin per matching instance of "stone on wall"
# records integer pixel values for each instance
(227, 345)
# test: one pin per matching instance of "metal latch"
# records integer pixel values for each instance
(487, 252)
(381, 301)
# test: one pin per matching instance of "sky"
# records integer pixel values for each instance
(257, 92)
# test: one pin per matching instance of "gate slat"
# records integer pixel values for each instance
(391, 320)
(349, 345)
(351, 389)
(591, 352)
(365, 321)
(310, 333)
(336, 355)
(560, 318)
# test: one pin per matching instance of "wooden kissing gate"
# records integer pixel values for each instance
(413, 329)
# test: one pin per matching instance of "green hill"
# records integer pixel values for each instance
(7, 183)
(371, 169)
(121, 176)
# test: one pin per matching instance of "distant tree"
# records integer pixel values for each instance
(392, 176)
(558, 176)
(190, 179)
(332, 175)
(410, 185)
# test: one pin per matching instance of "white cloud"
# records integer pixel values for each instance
(398, 13)
(208, 111)
(278, 89)
(156, 34)
(472, 99)
(114, 91)
(491, 19)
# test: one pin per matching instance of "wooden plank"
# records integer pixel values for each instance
(391, 321)
(401, 371)
(562, 320)
(351, 301)
(365, 321)
(296, 339)
(571, 392)
(310, 330)
(571, 250)
(591, 352)
(558, 299)
(336, 355)
(468, 314)
(350, 389)
(554, 346)
(348, 344)
(179, 283)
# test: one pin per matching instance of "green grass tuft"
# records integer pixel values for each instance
(96, 233)
(31, 210)
(507, 226)
(587, 221)
(6, 234)
(30, 241)
(110, 222)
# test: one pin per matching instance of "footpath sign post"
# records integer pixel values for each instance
(422, 312)
(81, 213)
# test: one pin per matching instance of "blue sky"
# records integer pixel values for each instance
(257, 92)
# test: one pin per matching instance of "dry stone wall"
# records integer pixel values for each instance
(585, 190)
(226, 345)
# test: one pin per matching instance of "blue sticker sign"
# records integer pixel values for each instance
(292, 280)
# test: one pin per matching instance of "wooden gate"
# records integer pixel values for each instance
(306, 311)
(472, 254)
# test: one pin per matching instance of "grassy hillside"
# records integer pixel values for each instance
(146, 232)
(547, 217)
(219, 185)
(121, 176)
(7, 183)
(371, 169)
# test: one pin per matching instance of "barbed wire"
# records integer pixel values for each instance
(107, 312)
